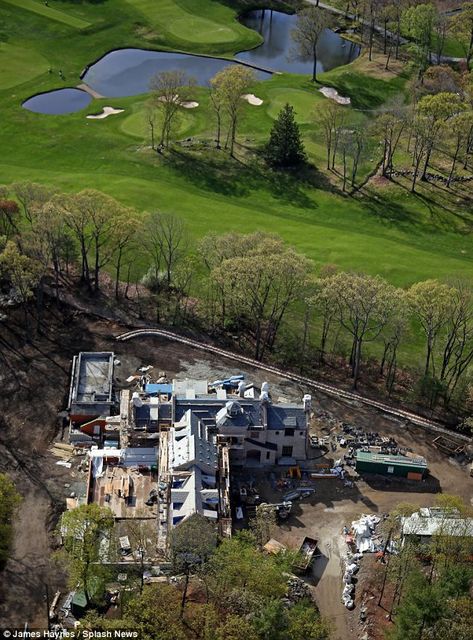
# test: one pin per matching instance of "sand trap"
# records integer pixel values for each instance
(252, 99)
(107, 111)
(334, 95)
(190, 105)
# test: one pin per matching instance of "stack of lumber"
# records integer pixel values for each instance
(62, 450)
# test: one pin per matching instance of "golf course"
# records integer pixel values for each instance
(46, 46)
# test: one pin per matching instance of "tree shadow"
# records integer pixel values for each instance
(387, 209)
(318, 567)
(430, 484)
(240, 178)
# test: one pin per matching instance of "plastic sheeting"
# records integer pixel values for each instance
(363, 530)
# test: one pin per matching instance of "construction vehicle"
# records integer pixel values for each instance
(297, 494)
(281, 509)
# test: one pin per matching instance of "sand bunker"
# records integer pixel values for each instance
(252, 99)
(107, 111)
(190, 105)
(334, 95)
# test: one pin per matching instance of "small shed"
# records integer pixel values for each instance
(410, 467)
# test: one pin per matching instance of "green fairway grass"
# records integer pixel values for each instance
(135, 124)
(18, 65)
(304, 103)
(205, 26)
(49, 12)
(385, 231)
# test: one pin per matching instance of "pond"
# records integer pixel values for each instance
(127, 72)
(277, 53)
(60, 101)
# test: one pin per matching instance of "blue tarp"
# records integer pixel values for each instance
(156, 389)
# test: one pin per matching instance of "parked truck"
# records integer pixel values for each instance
(306, 555)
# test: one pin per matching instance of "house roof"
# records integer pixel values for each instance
(196, 493)
(192, 443)
(286, 416)
(423, 524)
(276, 416)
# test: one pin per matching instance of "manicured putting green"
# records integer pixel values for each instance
(184, 24)
(135, 124)
(49, 12)
(302, 101)
(200, 30)
(18, 65)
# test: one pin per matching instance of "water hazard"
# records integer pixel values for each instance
(127, 72)
(60, 101)
(278, 52)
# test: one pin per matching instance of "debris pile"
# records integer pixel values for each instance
(352, 565)
(361, 538)
(363, 534)
(297, 590)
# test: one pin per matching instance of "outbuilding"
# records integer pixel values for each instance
(410, 467)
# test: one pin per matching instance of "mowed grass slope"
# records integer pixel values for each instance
(19, 64)
(50, 12)
(402, 237)
(205, 25)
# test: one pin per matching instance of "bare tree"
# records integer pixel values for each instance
(388, 127)
(332, 118)
(151, 121)
(311, 23)
(170, 90)
(218, 104)
(30, 195)
(165, 242)
(123, 234)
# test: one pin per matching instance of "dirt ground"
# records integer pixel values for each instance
(332, 506)
(34, 384)
(34, 381)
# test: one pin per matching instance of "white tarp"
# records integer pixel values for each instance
(363, 530)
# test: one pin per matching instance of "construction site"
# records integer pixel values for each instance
(181, 431)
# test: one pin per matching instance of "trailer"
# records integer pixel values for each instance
(306, 555)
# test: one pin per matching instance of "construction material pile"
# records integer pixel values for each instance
(352, 565)
(297, 590)
(364, 536)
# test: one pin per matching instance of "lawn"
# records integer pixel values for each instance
(19, 64)
(207, 27)
(49, 12)
(388, 231)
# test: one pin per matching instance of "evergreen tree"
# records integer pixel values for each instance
(285, 147)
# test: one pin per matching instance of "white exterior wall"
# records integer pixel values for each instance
(298, 442)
